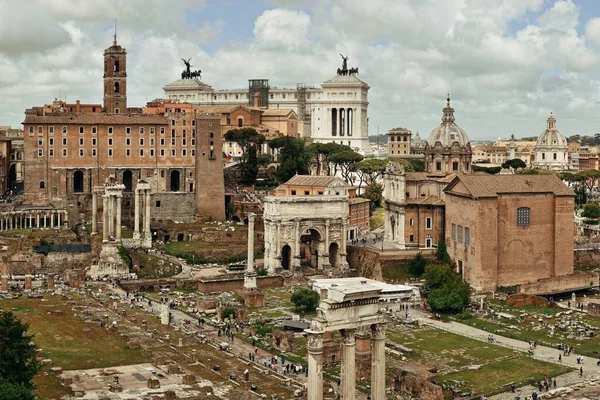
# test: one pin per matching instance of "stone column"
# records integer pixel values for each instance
(327, 236)
(136, 216)
(315, 365)
(401, 228)
(28, 280)
(4, 283)
(105, 218)
(111, 217)
(45, 220)
(118, 227)
(278, 236)
(378, 362)
(344, 234)
(147, 204)
(51, 281)
(37, 220)
(59, 219)
(296, 260)
(51, 219)
(348, 372)
(94, 212)
(250, 275)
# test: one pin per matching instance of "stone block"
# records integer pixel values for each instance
(56, 370)
(189, 379)
(173, 369)
(153, 383)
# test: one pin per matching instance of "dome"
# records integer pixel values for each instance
(448, 132)
(551, 136)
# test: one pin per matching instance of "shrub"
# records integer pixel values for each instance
(442, 254)
(417, 265)
(305, 300)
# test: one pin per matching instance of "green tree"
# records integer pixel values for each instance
(346, 160)
(445, 290)
(487, 170)
(589, 178)
(591, 210)
(375, 194)
(249, 140)
(417, 265)
(580, 195)
(12, 391)
(305, 300)
(18, 364)
(514, 164)
(293, 157)
(370, 170)
(442, 253)
(321, 154)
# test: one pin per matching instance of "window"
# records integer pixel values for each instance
(453, 234)
(40, 129)
(438, 165)
(110, 141)
(411, 238)
(94, 130)
(128, 152)
(51, 152)
(428, 223)
(64, 130)
(110, 152)
(110, 130)
(81, 141)
(172, 133)
(151, 152)
(93, 152)
(193, 152)
(467, 236)
(51, 141)
(184, 142)
(31, 131)
(152, 142)
(306, 193)
(40, 152)
(543, 156)
(40, 141)
(455, 166)
(460, 234)
(157, 203)
(172, 122)
(141, 141)
(173, 152)
(94, 142)
(42, 185)
(64, 152)
(152, 130)
(81, 152)
(184, 152)
(51, 130)
(81, 130)
(64, 141)
(241, 121)
(193, 142)
(523, 216)
(162, 141)
(293, 192)
(162, 152)
(172, 141)
(141, 130)
(141, 152)
(554, 155)
(162, 131)
(128, 142)
(412, 221)
(128, 130)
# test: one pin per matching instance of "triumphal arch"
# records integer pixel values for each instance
(306, 230)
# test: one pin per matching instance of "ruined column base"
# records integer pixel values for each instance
(253, 297)
(110, 262)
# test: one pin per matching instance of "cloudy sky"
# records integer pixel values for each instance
(506, 63)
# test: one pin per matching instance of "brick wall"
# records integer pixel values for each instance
(233, 284)
(176, 206)
(554, 284)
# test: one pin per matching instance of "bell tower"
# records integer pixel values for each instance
(115, 78)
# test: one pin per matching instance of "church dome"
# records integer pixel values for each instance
(448, 132)
(551, 136)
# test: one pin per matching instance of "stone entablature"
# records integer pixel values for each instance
(311, 223)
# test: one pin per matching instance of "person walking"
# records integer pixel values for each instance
(581, 372)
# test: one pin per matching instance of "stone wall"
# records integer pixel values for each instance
(369, 263)
(520, 300)
(237, 283)
(577, 280)
(584, 258)
(56, 262)
(176, 206)
(593, 309)
(424, 389)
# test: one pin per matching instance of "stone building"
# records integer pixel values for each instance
(70, 149)
(509, 230)
(15, 166)
(551, 148)
(335, 112)
(448, 149)
(399, 142)
(306, 220)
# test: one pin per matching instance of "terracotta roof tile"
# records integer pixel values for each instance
(313, 180)
(493, 185)
(429, 200)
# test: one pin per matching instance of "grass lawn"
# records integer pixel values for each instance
(453, 354)
(153, 267)
(68, 341)
(398, 272)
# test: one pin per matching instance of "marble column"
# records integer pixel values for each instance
(278, 237)
(94, 213)
(136, 215)
(401, 227)
(344, 234)
(147, 227)
(327, 236)
(315, 365)
(348, 372)
(111, 217)
(37, 221)
(105, 218)
(250, 275)
(51, 219)
(378, 362)
(28, 281)
(118, 227)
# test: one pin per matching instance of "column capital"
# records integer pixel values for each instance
(315, 341)
(378, 331)
(251, 217)
(348, 337)
(327, 222)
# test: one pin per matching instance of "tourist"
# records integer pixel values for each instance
(246, 375)
(554, 383)
(581, 372)
(559, 358)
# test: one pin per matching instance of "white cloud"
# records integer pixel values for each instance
(281, 28)
(592, 30)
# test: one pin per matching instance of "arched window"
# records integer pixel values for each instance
(523, 216)
(78, 182)
(116, 87)
(116, 65)
(128, 180)
(175, 181)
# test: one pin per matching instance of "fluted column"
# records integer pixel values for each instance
(104, 218)
(94, 212)
(378, 362)
(118, 227)
(315, 365)
(136, 217)
(348, 372)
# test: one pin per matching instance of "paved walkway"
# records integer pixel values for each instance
(542, 353)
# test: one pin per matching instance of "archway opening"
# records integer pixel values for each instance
(167, 238)
(12, 176)
(334, 250)
(180, 237)
(286, 257)
(128, 180)
(311, 241)
(235, 218)
(175, 181)
(78, 182)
